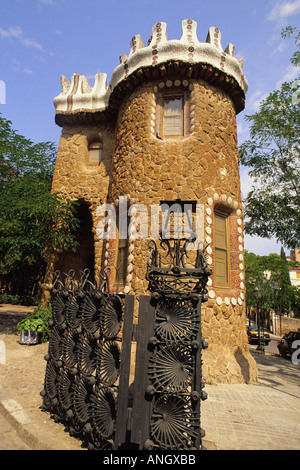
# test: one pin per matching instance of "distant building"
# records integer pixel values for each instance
(294, 271)
(294, 255)
(295, 276)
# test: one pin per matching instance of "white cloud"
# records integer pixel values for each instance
(46, 2)
(246, 181)
(16, 32)
(279, 15)
(283, 9)
(291, 74)
(242, 128)
(261, 246)
(18, 67)
(27, 70)
(255, 100)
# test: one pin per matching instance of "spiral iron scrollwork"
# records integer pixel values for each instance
(103, 412)
(65, 390)
(111, 316)
(69, 350)
(174, 425)
(171, 368)
(108, 362)
(176, 320)
(91, 312)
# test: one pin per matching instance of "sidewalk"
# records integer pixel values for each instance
(263, 416)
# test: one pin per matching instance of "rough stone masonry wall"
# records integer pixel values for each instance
(75, 180)
(202, 166)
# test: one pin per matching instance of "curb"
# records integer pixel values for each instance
(31, 432)
(20, 420)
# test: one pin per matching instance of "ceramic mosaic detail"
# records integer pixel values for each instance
(239, 243)
(80, 95)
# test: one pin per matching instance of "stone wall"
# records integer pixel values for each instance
(88, 184)
(287, 325)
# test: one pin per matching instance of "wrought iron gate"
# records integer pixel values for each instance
(168, 386)
(88, 364)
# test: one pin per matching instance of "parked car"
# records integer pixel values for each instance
(286, 345)
(253, 335)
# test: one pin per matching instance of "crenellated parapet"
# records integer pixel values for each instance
(186, 56)
(80, 95)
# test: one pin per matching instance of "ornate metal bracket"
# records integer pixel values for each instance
(170, 271)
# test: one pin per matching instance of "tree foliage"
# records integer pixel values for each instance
(268, 283)
(33, 221)
(272, 207)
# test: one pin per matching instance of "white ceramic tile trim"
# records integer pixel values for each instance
(167, 84)
(130, 247)
(209, 211)
(79, 95)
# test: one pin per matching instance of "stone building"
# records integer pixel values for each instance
(165, 125)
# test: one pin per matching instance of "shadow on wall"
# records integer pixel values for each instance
(245, 366)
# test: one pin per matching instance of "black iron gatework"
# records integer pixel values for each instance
(85, 365)
(88, 364)
(169, 389)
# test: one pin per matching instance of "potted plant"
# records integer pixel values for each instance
(35, 326)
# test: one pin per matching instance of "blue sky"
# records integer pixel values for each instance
(42, 39)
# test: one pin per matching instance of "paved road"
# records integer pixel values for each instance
(272, 346)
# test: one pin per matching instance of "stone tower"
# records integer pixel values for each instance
(164, 126)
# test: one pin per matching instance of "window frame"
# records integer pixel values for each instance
(223, 285)
(117, 279)
(165, 97)
(95, 145)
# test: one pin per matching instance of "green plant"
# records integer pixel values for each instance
(26, 300)
(38, 320)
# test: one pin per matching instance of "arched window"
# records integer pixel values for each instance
(95, 153)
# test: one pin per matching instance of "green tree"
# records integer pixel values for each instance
(33, 222)
(268, 275)
(272, 207)
(287, 32)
